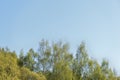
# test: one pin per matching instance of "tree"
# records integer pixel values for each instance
(80, 63)
(44, 57)
(61, 62)
(30, 60)
(8, 66)
(107, 71)
(10, 69)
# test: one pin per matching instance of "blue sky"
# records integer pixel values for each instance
(23, 23)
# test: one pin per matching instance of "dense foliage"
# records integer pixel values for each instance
(53, 62)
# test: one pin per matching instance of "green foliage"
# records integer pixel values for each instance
(29, 60)
(10, 70)
(8, 66)
(61, 62)
(26, 74)
(53, 62)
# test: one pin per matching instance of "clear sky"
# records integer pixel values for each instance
(23, 23)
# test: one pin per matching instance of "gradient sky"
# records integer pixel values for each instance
(23, 23)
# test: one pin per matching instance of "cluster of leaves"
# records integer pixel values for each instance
(53, 62)
(10, 70)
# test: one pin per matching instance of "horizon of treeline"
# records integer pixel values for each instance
(53, 62)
